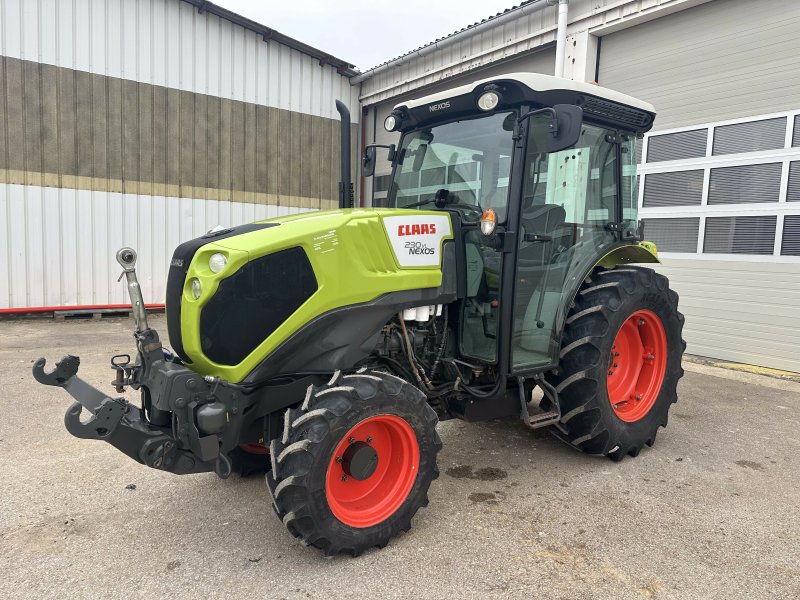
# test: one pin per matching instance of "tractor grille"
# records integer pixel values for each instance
(252, 303)
(179, 265)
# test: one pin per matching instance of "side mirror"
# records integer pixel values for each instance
(368, 162)
(565, 127)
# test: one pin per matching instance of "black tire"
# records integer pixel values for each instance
(605, 301)
(312, 432)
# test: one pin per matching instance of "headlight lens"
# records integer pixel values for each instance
(197, 289)
(488, 101)
(217, 262)
(390, 123)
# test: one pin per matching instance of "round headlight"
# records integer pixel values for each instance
(217, 262)
(488, 101)
(390, 123)
(197, 289)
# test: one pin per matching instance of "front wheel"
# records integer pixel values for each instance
(620, 362)
(355, 462)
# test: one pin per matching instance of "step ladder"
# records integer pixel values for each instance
(541, 418)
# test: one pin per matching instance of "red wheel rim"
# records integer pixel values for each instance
(637, 365)
(366, 502)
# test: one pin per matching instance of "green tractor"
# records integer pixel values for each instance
(323, 348)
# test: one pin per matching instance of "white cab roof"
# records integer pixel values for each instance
(539, 83)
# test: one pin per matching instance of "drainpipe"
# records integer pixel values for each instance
(561, 35)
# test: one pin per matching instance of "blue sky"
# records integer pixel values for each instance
(366, 33)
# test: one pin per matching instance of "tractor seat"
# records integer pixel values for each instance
(545, 219)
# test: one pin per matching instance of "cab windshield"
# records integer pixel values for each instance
(463, 165)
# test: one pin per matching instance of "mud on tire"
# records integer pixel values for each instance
(313, 432)
(605, 301)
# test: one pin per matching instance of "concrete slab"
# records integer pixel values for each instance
(712, 511)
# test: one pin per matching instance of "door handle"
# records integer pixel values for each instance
(537, 237)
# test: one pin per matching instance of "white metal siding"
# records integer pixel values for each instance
(525, 34)
(742, 312)
(60, 243)
(729, 239)
(57, 245)
(522, 29)
(169, 43)
(721, 60)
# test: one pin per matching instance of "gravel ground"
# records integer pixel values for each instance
(712, 511)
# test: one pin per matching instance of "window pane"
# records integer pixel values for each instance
(796, 133)
(463, 172)
(677, 146)
(568, 198)
(673, 235)
(681, 188)
(469, 159)
(382, 182)
(434, 176)
(791, 235)
(768, 134)
(630, 183)
(740, 235)
(793, 191)
(747, 183)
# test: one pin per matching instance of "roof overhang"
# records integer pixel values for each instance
(267, 34)
(599, 104)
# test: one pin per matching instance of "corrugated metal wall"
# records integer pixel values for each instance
(532, 29)
(721, 60)
(145, 122)
(721, 193)
(743, 312)
(528, 27)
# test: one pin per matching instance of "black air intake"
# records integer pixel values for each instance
(617, 113)
(253, 302)
(179, 265)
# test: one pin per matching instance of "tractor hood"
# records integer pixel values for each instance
(280, 274)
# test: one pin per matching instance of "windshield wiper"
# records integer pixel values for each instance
(420, 203)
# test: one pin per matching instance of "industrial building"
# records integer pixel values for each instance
(147, 124)
(182, 115)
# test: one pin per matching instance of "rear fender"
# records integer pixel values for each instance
(643, 252)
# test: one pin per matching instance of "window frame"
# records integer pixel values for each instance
(785, 155)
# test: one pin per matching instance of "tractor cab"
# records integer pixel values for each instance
(539, 174)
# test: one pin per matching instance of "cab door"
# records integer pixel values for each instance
(480, 311)
(569, 199)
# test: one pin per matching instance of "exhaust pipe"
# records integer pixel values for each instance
(345, 185)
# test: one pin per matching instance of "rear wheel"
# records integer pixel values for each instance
(620, 362)
(355, 462)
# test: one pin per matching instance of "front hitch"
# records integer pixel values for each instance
(116, 421)
(163, 433)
